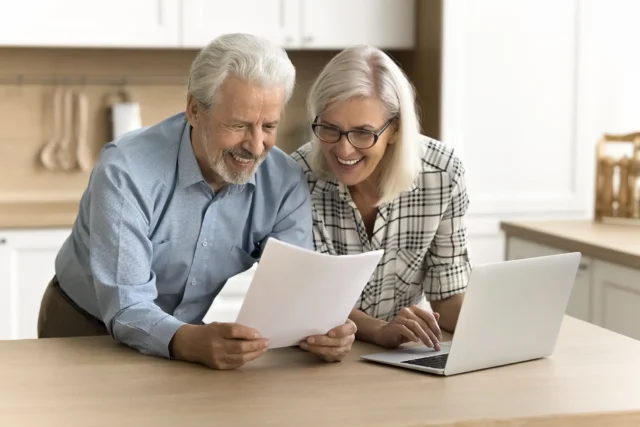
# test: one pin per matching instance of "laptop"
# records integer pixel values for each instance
(512, 313)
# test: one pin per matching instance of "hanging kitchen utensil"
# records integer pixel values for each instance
(65, 153)
(125, 114)
(82, 129)
(47, 155)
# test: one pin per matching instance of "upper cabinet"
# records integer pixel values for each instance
(82, 23)
(204, 20)
(334, 24)
(294, 24)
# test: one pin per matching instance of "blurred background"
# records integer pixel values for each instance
(523, 89)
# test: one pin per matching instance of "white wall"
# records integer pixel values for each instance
(528, 88)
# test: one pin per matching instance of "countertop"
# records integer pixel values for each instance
(38, 215)
(592, 379)
(619, 244)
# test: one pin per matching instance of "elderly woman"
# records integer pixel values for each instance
(377, 183)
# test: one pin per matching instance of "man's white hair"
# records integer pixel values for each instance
(251, 58)
(367, 72)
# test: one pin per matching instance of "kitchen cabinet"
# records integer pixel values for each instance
(191, 24)
(580, 301)
(607, 286)
(334, 24)
(226, 305)
(303, 24)
(26, 266)
(204, 20)
(82, 23)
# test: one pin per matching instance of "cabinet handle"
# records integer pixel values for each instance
(583, 266)
(3, 240)
(282, 16)
(307, 39)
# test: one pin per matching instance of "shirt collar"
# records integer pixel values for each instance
(332, 185)
(189, 172)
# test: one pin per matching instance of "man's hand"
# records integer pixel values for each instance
(411, 324)
(335, 345)
(218, 345)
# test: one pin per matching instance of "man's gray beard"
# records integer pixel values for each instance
(220, 167)
(238, 177)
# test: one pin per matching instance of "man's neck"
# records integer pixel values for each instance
(213, 179)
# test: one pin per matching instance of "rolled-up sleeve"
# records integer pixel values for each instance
(121, 263)
(447, 261)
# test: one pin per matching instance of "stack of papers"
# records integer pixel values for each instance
(296, 293)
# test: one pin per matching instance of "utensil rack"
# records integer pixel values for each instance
(618, 204)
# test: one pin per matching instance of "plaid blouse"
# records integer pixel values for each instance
(422, 232)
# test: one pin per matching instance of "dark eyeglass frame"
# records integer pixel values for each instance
(347, 133)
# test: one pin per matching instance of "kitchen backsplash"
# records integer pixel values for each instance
(27, 113)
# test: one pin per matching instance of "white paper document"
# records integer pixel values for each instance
(296, 293)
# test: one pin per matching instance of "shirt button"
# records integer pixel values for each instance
(193, 282)
(205, 242)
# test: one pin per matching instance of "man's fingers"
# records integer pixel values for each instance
(324, 351)
(233, 346)
(325, 341)
(236, 360)
(347, 329)
(239, 332)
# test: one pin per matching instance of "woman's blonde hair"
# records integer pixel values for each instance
(365, 71)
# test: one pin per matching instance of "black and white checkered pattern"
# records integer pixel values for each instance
(422, 232)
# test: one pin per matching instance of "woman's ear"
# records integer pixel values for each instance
(395, 128)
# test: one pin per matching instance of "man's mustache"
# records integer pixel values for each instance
(243, 154)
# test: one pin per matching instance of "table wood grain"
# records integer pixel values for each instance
(593, 379)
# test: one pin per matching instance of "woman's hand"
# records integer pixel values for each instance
(335, 345)
(412, 324)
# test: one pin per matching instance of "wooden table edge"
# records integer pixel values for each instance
(624, 418)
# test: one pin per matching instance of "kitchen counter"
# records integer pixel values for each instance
(619, 244)
(606, 291)
(592, 379)
(38, 215)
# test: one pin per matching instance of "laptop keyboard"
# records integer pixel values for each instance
(436, 362)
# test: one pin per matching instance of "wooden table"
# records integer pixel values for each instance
(593, 379)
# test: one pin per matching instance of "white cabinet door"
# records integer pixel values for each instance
(581, 296)
(227, 303)
(83, 23)
(616, 298)
(26, 266)
(204, 20)
(336, 24)
(512, 82)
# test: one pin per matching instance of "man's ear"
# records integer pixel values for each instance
(193, 110)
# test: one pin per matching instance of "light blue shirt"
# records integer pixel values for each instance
(153, 244)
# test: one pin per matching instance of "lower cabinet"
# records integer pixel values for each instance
(605, 294)
(226, 306)
(27, 260)
(27, 264)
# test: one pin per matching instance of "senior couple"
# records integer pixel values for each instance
(173, 210)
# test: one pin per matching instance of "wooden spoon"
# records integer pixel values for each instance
(66, 153)
(47, 155)
(82, 129)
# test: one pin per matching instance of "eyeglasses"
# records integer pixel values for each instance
(359, 138)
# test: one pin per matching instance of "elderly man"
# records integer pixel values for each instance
(174, 210)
